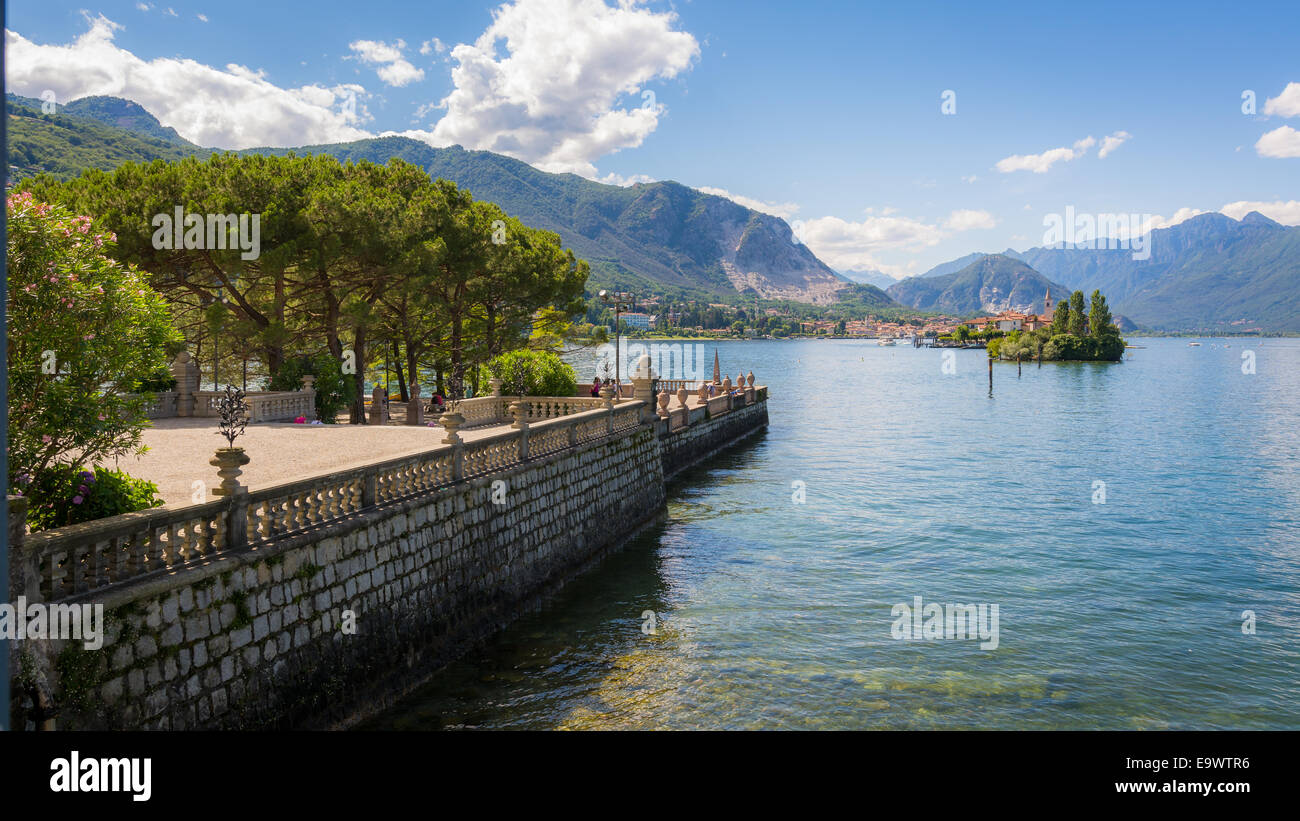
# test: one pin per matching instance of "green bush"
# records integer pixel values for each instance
(160, 381)
(69, 494)
(533, 373)
(334, 391)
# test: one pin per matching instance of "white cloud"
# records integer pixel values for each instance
(784, 210)
(143, 6)
(430, 46)
(1286, 104)
(969, 220)
(393, 69)
(1280, 143)
(971, 178)
(202, 17)
(1040, 163)
(171, 12)
(1287, 213)
(855, 246)
(1109, 144)
(543, 83)
(234, 108)
(618, 179)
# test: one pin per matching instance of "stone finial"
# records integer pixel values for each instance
(308, 382)
(717, 372)
(681, 396)
(726, 385)
(750, 379)
(452, 422)
(664, 397)
(496, 386)
(228, 462)
(704, 393)
(607, 393)
(643, 369)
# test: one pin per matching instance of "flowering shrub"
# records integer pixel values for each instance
(84, 332)
(67, 495)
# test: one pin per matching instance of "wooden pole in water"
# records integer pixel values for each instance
(1017, 363)
(990, 376)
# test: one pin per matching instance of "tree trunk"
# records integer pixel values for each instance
(401, 374)
(358, 415)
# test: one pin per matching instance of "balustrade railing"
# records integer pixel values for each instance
(67, 561)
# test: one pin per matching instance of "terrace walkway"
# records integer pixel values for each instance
(179, 450)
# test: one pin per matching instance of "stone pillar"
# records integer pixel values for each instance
(682, 396)
(519, 410)
(643, 385)
(415, 408)
(378, 406)
(24, 571)
(186, 374)
(496, 386)
(607, 393)
(453, 421)
(237, 519)
(309, 388)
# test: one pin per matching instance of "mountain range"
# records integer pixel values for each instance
(1210, 273)
(659, 237)
(991, 283)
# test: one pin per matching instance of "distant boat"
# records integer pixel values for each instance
(1193, 344)
(1136, 347)
(889, 340)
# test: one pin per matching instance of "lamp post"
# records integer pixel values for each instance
(620, 300)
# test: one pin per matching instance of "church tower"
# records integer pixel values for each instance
(1047, 303)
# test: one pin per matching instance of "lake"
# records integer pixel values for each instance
(1122, 518)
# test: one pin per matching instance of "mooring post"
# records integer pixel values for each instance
(990, 376)
(1017, 364)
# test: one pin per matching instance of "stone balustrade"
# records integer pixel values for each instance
(77, 559)
(494, 410)
(263, 406)
(161, 405)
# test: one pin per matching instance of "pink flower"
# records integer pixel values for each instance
(46, 439)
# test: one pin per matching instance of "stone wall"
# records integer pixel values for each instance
(686, 447)
(330, 624)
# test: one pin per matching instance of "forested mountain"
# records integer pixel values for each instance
(989, 284)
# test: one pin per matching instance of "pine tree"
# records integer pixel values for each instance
(1100, 321)
(1078, 318)
(1061, 319)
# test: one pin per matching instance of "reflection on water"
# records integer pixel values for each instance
(772, 614)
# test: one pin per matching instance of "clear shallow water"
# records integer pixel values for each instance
(771, 614)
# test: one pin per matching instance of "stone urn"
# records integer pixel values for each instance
(607, 393)
(308, 382)
(228, 462)
(496, 386)
(663, 403)
(519, 410)
(749, 379)
(726, 385)
(704, 393)
(681, 396)
(452, 422)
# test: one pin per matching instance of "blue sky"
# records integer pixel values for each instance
(828, 114)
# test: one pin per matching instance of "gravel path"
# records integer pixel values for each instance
(179, 450)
